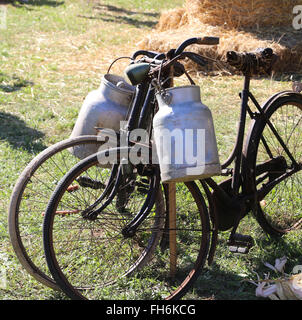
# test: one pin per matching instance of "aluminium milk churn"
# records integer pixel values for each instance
(103, 108)
(184, 136)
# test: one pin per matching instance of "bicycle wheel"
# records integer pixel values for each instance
(279, 209)
(29, 200)
(94, 260)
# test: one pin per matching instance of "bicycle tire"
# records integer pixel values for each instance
(28, 202)
(131, 260)
(281, 209)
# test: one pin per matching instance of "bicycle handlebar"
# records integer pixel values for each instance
(201, 41)
(191, 55)
(160, 61)
(149, 54)
(179, 50)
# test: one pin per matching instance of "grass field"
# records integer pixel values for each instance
(52, 53)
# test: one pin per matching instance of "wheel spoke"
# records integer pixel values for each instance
(283, 208)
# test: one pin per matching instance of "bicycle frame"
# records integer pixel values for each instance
(139, 117)
(241, 201)
(244, 201)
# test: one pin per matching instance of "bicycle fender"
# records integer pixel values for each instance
(279, 95)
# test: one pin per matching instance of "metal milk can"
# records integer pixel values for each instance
(184, 136)
(105, 108)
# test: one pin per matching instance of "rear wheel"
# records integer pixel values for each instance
(30, 196)
(278, 210)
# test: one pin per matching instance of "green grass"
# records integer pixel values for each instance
(51, 55)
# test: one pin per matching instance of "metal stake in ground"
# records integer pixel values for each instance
(172, 228)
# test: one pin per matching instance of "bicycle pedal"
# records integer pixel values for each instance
(240, 243)
(236, 249)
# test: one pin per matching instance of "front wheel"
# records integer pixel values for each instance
(274, 152)
(93, 259)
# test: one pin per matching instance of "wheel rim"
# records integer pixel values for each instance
(29, 200)
(281, 209)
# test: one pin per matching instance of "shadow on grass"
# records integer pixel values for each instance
(219, 282)
(216, 283)
(19, 135)
(273, 248)
(110, 13)
(13, 83)
(109, 7)
(18, 3)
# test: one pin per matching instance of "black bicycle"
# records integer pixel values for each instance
(106, 246)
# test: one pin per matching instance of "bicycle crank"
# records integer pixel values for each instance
(229, 210)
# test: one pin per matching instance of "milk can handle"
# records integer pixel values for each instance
(114, 61)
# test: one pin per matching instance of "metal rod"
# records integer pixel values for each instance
(240, 136)
(237, 148)
(146, 109)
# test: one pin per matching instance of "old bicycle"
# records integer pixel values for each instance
(97, 253)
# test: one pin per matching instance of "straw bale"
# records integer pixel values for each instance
(288, 50)
(241, 13)
(172, 19)
(242, 25)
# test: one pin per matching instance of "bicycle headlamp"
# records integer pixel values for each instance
(137, 72)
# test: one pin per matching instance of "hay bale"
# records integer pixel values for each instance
(241, 13)
(172, 19)
(289, 52)
(242, 25)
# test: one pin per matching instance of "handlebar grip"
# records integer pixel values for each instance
(232, 56)
(252, 63)
(208, 40)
